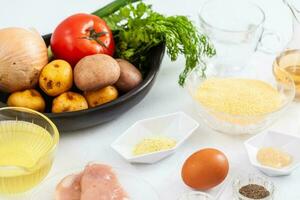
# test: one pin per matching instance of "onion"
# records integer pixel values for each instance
(23, 54)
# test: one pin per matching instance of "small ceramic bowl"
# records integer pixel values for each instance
(195, 196)
(177, 126)
(287, 143)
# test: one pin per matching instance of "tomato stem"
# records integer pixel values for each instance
(95, 36)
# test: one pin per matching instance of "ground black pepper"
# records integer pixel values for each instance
(254, 191)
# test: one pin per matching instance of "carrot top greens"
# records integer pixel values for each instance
(137, 28)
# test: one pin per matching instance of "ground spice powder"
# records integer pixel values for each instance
(238, 96)
(254, 191)
(153, 144)
(273, 157)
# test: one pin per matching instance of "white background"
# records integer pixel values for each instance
(78, 148)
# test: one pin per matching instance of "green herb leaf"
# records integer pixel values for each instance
(137, 28)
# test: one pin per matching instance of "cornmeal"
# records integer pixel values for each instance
(237, 96)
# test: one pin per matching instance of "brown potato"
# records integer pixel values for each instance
(56, 78)
(101, 96)
(69, 101)
(130, 76)
(28, 98)
(95, 72)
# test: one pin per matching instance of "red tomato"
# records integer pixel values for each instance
(205, 169)
(81, 35)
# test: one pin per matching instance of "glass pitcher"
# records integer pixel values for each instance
(294, 6)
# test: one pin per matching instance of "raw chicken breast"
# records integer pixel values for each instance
(99, 182)
(69, 188)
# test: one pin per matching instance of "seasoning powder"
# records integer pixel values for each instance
(254, 191)
(237, 96)
(153, 144)
(273, 157)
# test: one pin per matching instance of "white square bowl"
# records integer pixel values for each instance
(177, 126)
(287, 143)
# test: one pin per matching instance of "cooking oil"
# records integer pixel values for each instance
(290, 61)
(25, 155)
(295, 73)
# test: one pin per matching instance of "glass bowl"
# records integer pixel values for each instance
(252, 179)
(242, 124)
(28, 140)
(195, 196)
(290, 61)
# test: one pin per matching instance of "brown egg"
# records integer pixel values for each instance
(205, 169)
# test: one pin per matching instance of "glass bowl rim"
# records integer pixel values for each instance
(203, 194)
(249, 3)
(55, 137)
(253, 175)
(282, 54)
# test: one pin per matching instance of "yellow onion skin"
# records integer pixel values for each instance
(23, 54)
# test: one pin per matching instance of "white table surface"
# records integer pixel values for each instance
(93, 144)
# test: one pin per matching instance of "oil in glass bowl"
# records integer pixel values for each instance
(27, 145)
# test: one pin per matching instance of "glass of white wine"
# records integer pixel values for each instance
(289, 61)
(28, 140)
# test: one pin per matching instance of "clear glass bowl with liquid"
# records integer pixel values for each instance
(28, 140)
(290, 61)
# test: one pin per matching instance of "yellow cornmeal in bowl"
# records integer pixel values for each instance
(237, 96)
(153, 144)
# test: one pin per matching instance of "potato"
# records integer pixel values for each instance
(130, 76)
(28, 98)
(101, 96)
(69, 101)
(56, 78)
(95, 72)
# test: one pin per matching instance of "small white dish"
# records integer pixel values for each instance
(287, 143)
(177, 126)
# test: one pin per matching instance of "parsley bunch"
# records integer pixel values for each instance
(137, 28)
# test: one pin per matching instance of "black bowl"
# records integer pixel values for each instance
(70, 121)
